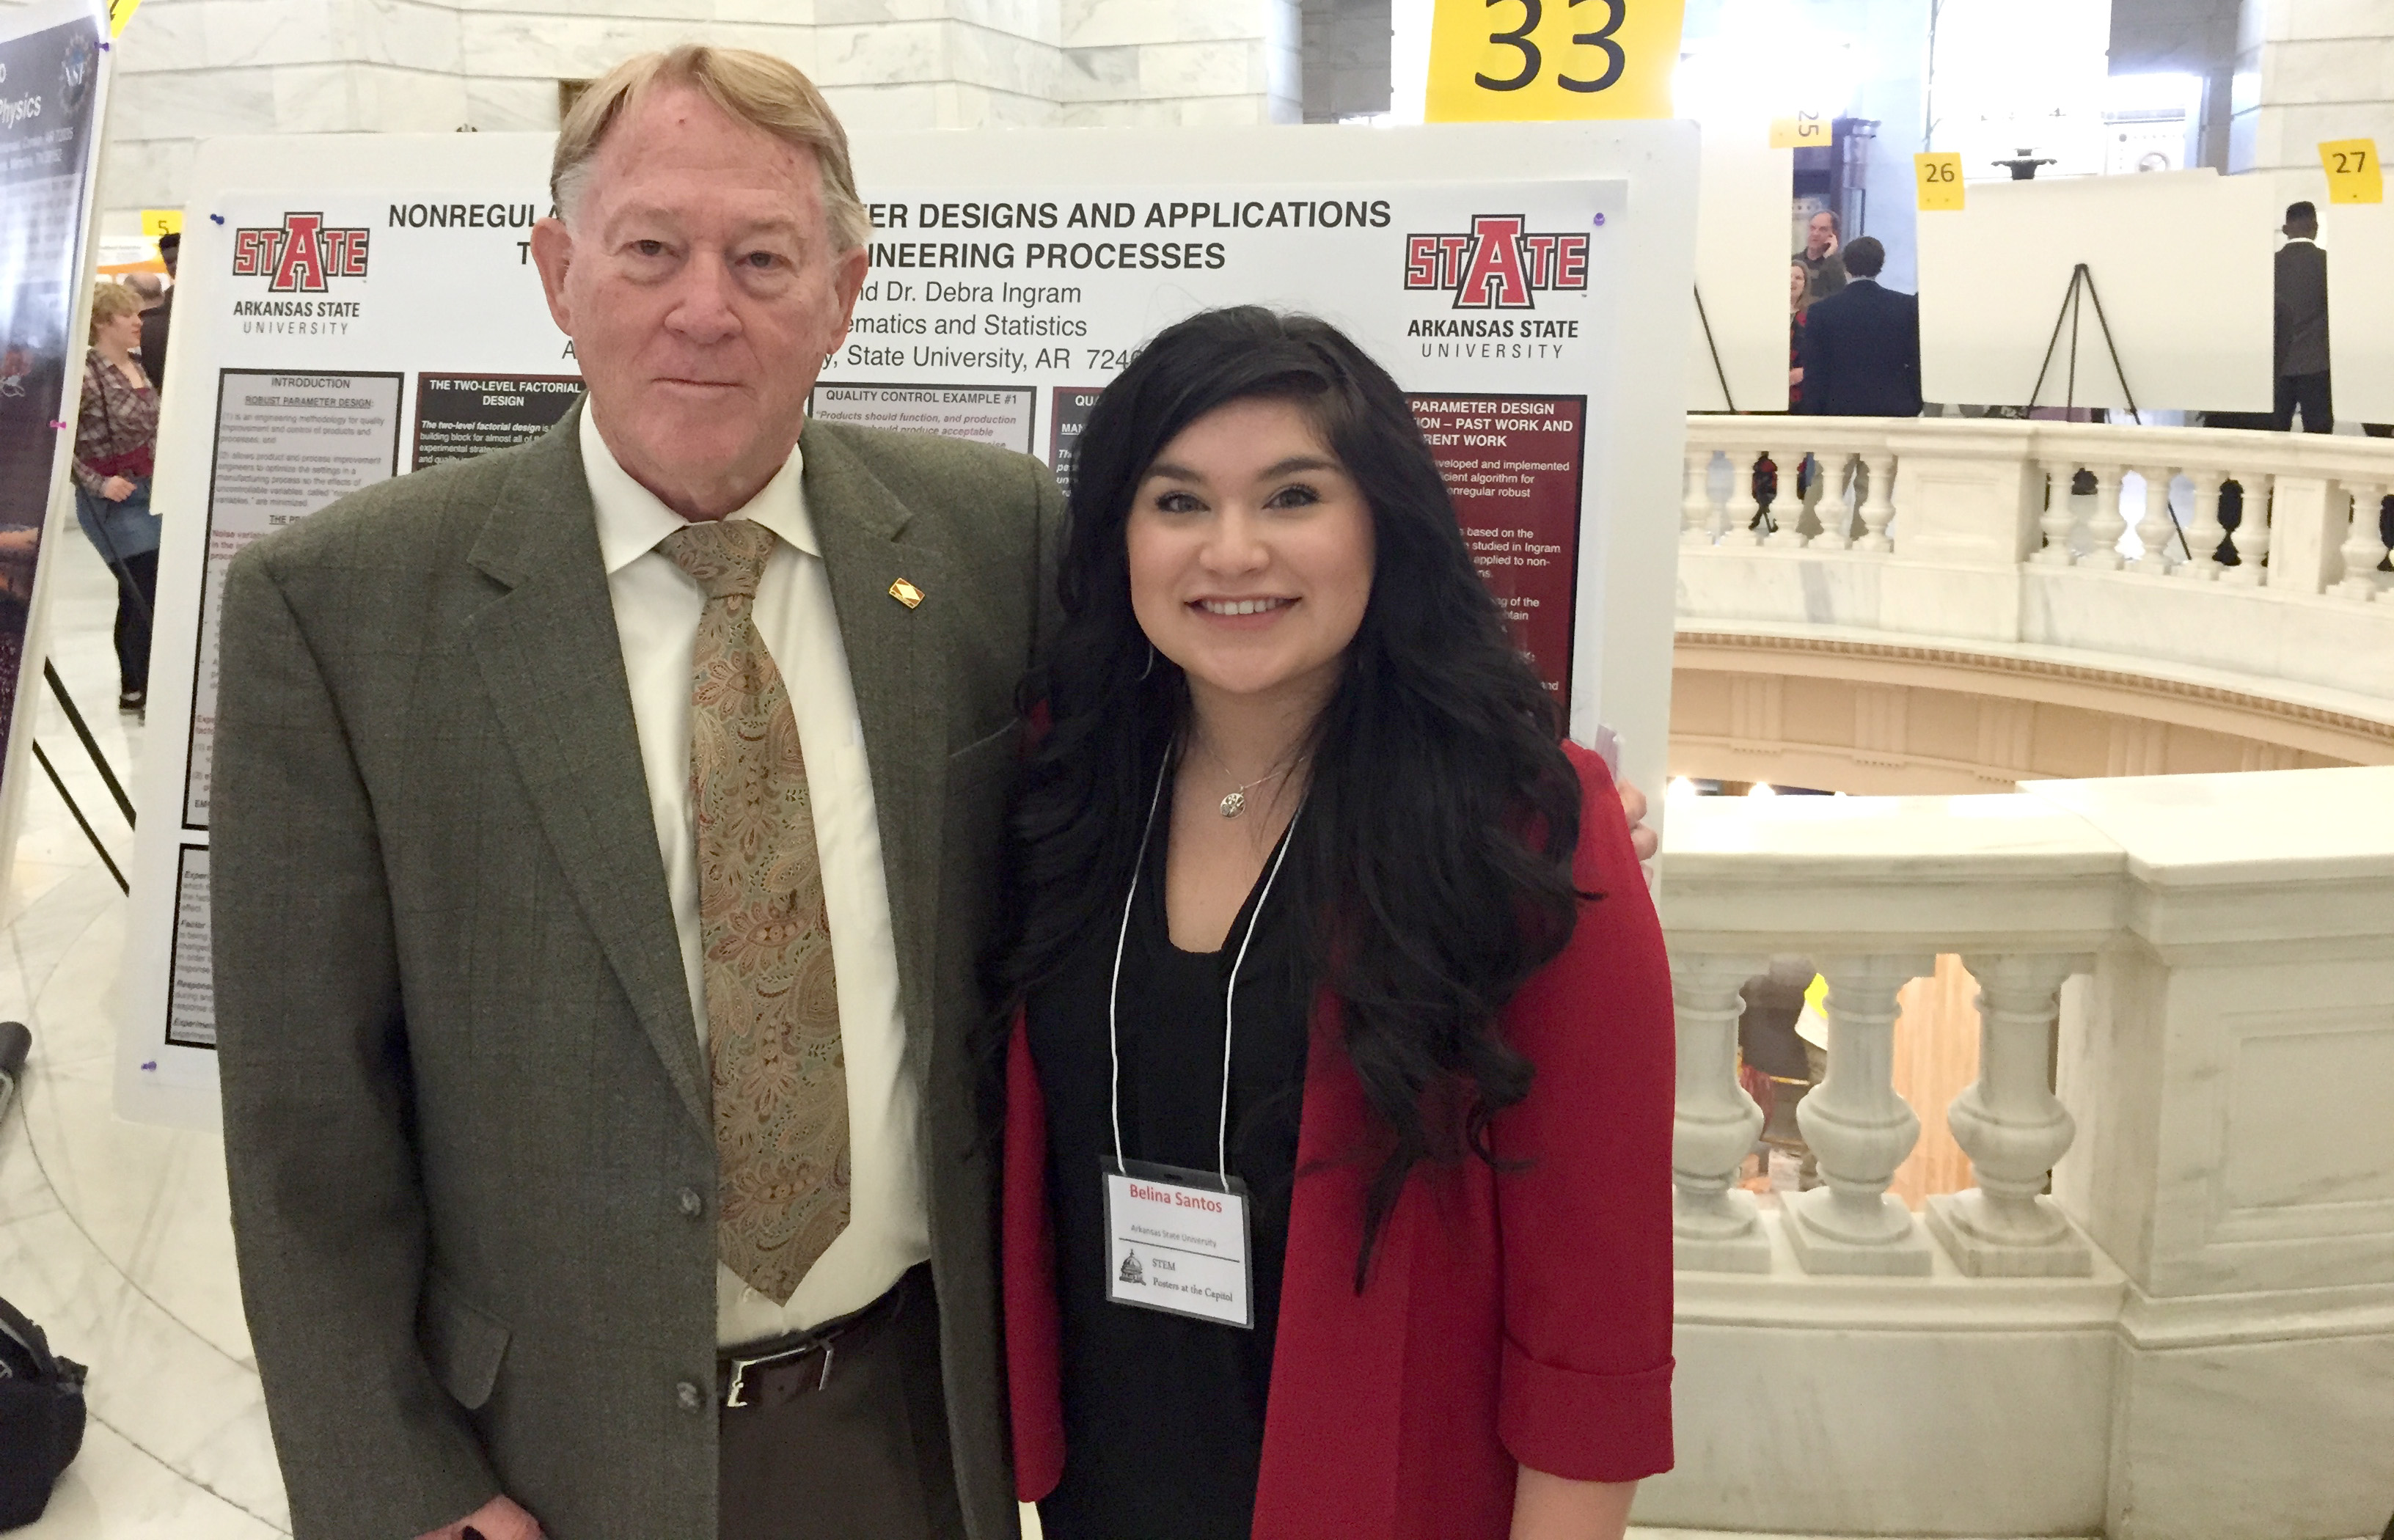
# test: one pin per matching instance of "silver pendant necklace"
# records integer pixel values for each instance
(1236, 802)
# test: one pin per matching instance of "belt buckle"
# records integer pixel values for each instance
(737, 1395)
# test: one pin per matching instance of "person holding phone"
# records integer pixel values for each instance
(1338, 1092)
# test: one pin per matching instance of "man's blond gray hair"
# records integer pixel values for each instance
(751, 87)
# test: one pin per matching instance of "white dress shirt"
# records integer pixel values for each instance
(657, 607)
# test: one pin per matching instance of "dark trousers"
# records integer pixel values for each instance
(136, 600)
(2310, 393)
(858, 1453)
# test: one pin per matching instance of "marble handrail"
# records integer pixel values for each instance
(1962, 533)
(1871, 889)
(2179, 1245)
(2012, 481)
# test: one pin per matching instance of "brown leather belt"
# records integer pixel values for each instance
(780, 1369)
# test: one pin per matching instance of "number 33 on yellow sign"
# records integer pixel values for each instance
(1526, 60)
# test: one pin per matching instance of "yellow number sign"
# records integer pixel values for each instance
(160, 221)
(1804, 131)
(1525, 60)
(2352, 172)
(1938, 178)
(119, 13)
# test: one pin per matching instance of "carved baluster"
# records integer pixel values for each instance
(2362, 550)
(2060, 520)
(1742, 505)
(2013, 1129)
(2252, 536)
(1788, 511)
(2202, 536)
(1859, 1130)
(1715, 1227)
(1696, 506)
(2105, 527)
(1836, 516)
(2157, 531)
(1878, 503)
(1833, 539)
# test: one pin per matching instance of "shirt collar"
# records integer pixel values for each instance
(631, 520)
(2306, 240)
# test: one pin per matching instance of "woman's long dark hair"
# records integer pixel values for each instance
(1433, 862)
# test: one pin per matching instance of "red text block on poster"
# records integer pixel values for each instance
(1512, 464)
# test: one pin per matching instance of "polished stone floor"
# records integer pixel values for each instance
(113, 1235)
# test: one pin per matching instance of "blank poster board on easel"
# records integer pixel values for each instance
(1741, 270)
(2181, 261)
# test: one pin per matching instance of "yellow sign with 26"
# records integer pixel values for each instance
(1530, 60)
(1937, 177)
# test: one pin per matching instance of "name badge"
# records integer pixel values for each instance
(1176, 1241)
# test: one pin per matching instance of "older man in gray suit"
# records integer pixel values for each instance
(606, 831)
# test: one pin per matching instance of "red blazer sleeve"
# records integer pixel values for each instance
(1584, 1218)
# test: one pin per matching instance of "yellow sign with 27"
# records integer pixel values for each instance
(2353, 174)
(1530, 60)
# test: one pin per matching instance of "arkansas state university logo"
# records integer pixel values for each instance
(301, 255)
(1498, 265)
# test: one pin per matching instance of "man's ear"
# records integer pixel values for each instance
(847, 280)
(552, 253)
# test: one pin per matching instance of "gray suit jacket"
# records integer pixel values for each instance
(464, 1096)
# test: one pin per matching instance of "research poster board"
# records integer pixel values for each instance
(53, 99)
(356, 308)
(2180, 261)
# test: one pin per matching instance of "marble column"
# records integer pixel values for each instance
(1714, 1228)
(1859, 1130)
(2013, 1129)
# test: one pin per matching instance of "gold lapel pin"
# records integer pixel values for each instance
(905, 593)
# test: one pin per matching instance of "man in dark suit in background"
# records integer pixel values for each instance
(1862, 345)
(159, 317)
(2299, 353)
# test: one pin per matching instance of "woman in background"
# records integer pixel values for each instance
(1331, 942)
(116, 438)
(1799, 299)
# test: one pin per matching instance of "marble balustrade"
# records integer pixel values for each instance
(2165, 1307)
(2088, 543)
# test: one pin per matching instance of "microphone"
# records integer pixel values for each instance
(15, 1042)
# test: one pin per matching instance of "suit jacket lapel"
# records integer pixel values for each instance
(553, 666)
(896, 662)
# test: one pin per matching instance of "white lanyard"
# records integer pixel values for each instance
(1230, 993)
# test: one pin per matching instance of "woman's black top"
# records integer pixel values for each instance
(1164, 1414)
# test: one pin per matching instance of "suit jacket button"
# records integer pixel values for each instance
(691, 1203)
(687, 1397)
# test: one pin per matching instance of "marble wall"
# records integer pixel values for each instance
(2308, 71)
(192, 69)
(1346, 55)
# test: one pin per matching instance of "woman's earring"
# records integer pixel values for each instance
(1150, 662)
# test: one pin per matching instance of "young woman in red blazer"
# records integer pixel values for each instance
(1337, 1192)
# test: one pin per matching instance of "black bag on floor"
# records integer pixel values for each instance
(41, 1417)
